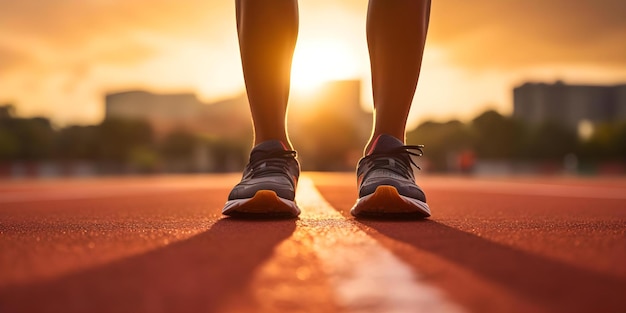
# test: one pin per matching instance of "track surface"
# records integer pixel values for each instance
(160, 244)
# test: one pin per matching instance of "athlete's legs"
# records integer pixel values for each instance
(396, 32)
(267, 31)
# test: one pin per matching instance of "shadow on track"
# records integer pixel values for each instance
(557, 286)
(195, 275)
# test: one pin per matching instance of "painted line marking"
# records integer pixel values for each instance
(366, 276)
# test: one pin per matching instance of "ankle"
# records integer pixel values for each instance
(372, 141)
(284, 140)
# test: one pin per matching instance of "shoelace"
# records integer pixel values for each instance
(400, 154)
(269, 163)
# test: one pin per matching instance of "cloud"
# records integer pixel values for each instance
(56, 56)
(477, 33)
(519, 33)
(10, 58)
(115, 32)
(75, 21)
(65, 53)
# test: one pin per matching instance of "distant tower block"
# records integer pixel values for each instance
(569, 105)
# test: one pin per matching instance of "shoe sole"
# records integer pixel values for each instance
(264, 203)
(387, 202)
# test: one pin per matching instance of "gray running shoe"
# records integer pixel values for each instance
(386, 181)
(268, 185)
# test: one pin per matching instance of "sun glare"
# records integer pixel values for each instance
(315, 63)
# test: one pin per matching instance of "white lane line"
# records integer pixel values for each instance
(366, 277)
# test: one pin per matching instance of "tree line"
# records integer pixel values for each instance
(115, 142)
(325, 145)
(493, 136)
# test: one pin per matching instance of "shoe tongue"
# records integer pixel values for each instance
(384, 143)
(267, 146)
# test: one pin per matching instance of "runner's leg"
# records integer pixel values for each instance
(396, 33)
(267, 31)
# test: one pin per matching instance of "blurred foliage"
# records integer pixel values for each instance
(144, 159)
(117, 145)
(608, 142)
(228, 155)
(25, 139)
(78, 143)
(117, 137)
(9, 147)
(327, 142)
(178, 144)
(441, 139)
(549, 141)
(497, 137)
(492, 136)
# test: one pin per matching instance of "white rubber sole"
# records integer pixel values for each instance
(386, 201)
(264, 203)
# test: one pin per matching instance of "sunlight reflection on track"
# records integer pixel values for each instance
(365, 276)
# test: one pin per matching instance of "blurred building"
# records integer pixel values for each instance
(340, 99)
(167, 112)
(230, 118)
(329, 126)
(569, 105)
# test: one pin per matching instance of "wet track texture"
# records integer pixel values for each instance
(160, 244)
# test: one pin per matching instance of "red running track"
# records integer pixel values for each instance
(160, 245)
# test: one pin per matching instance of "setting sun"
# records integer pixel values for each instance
(315, 63)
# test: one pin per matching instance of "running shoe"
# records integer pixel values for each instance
(268, 185)
(386, 181)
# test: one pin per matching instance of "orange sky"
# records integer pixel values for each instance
(58, 58)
